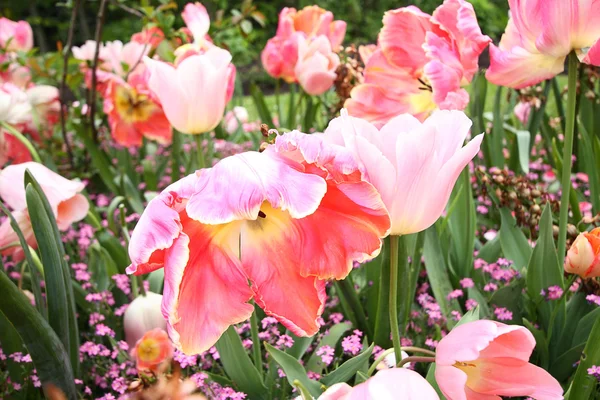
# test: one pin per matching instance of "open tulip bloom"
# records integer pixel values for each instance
(300, 214)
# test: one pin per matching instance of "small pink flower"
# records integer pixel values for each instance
(489, 359)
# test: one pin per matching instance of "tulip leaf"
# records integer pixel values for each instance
(261, 105)
(497, 136)
(541, 344)
(238, 366)
(513, 241)
(348, 369)
(300, 345)
(382, 316)
(545, 271)
(462, 225)
(45, 348)
(315, 364)
(59, 292)
(584, 384)
(99, 161)
(589, 166)
(294, 371)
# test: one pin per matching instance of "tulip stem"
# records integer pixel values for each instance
(256, 342)
(21, 138)
(387, 352)
(395, 255)
(200, 151)
(567, 154)
(415, 359)
(175, 153)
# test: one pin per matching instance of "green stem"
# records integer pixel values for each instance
(415, 359)
(200, 151)
(347, 290)
(393, 300)
(11, 129)
(175, 153)
(387, 352)
(256, 342)
(566, 159)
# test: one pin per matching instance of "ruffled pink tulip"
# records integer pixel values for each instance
(134, 112)
(63, 195)
(425, 70)
(153, 351)
(142, 316)
(583, 258)
(193, 94)
(413, 165)
(15, 36)
(488, 359)
(315, 69)
(252, 227)
(394, 383)
(538, 38)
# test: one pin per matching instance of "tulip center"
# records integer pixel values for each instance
(473, 369)
(133, 106)
(148, 350)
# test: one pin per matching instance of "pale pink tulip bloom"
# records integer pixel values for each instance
(193, 94)
(221, 247)
(488, 359)
(14, 105)
(583, 258)
(9, 236)
(115, 54)
(141, 316)
(394, 383)
(15, 36)
(538, 38)
(197, 20)
(63, 195)
(426, 70)
(45, 104)
(315, 69)
(413, 165)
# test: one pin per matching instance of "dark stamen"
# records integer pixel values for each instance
(262, 214)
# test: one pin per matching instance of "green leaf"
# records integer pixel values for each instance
(47, 352)
(583, 384)
(437, 272)
(59, 292)
(382, 316)
(348, 369)
(497, 136)
(333, 336)
(462, 225)
(588, 163)
(523, 140)
(238, 366)
(541, 344)
(99, 161)
(293, 370)
(470, 316)
(111, 213)
(300, 345)
(545, 271)
(513, 241)
(511, 298)
(261, 106)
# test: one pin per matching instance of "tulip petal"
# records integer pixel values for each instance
(205, 290)
(399, 383)
(257, 177)
(70, 210)
(451, 380)
(8, 235)
(592, 57)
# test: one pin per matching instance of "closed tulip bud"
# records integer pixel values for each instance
(583, 258)
(143, 315)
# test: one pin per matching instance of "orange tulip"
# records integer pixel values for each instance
(583, 258)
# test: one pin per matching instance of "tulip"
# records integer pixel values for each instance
(8, 236)
(153, 351)
(86, 51)
(12, 150)
(280, 55)
(15, 36)
(426, 70)
(197, 20)
(152, 36)
(522, 111)
(14, 105)
(315, 69)
(134, 112)
(143, 315)
(63, 195)
(413, 165)
(116, 54)
(235, 117)
(45, 103)
(583, 258)
(394, 383)
(539, 37)
(252, 227)
(488, 359)
(313, 21)
(193, 94)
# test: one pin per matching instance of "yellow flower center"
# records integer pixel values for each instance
(148, 350)
(132, 106)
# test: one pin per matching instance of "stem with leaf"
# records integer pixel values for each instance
(393, 300)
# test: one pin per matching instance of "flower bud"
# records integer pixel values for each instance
(143, 315)
(583, 258)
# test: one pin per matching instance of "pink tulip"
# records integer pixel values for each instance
(194, 94)
(233, 119)
(141, 316)
(522, 111)
(252, 227)
(583, 258)
(14, 105)
(426, 70)
(12, 151)
(134, 112)
(9, 236)
(413, 165)
(539, 37)
(315, 69)
(86, 51)
(280, 55)
(15, 36)
(488, 359)
(395, 383)
(152, 36)
(45, 103)
(197, 20)
(116, 54)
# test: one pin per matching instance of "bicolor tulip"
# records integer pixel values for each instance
(253, 227)
(488, 359)
(142, 316)
(195, 92)
(134, 112)
(394, 383)
(413, 165)
(426, 70)
(153, 351)
(63, 195)
(15, 36)
(583, 258)
(538, 38)
(315, 69)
